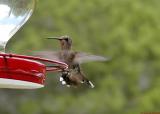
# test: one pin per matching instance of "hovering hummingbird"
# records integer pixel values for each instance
(74, 75)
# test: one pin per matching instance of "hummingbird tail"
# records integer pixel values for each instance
(91, 84)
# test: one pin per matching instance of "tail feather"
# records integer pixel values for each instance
(91, 84)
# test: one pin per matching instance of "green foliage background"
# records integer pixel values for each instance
(126, 30)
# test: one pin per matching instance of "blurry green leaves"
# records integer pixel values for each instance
(29, 107)
(125, 30)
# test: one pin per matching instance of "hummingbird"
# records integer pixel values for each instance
(73, 76)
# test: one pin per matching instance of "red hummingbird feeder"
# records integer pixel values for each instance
(21, 71)
(25, 72)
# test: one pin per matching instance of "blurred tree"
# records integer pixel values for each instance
(126, 30)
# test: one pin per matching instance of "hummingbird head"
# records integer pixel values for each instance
(65, 41)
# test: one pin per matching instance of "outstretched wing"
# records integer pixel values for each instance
(47, 54)
(85, 57)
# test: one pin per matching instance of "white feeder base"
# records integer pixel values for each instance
(17, 84)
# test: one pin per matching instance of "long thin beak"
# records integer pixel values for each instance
(56, 38)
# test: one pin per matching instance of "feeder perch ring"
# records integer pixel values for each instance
(25, 72)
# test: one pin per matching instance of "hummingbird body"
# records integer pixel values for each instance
(73, 76)
(67, 57)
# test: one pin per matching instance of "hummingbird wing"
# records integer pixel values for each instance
(85, 57)
(48, 54)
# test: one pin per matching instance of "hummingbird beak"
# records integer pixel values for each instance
(56, 38)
